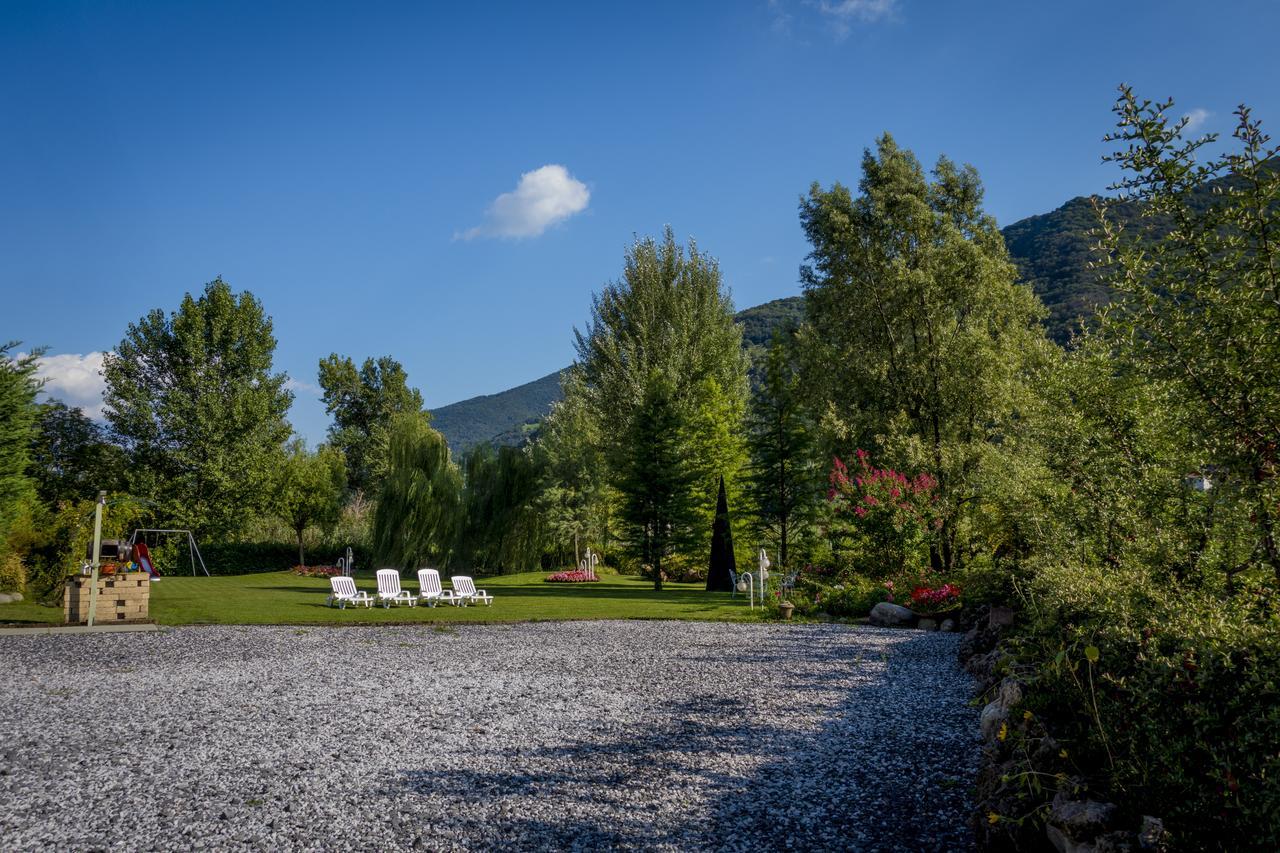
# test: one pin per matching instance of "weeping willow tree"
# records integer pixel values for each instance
(420, 503)
(503, 528)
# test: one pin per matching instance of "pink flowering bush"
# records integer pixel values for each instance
(572, 576)
(929, 601)
(884, 517)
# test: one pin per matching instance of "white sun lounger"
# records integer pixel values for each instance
(429, 589)
(465, 592)
(389, 591)
(344, 592)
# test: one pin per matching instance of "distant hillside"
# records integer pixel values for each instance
(470, 422)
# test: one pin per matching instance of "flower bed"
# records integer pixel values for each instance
(317, 571)
(574, 576)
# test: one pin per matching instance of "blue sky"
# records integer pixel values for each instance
(359, 166)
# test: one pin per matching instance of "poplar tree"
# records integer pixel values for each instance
(194, 400)
(363, 402)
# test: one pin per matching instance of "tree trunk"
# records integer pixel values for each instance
(302, 558)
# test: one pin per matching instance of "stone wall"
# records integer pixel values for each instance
(122, 598)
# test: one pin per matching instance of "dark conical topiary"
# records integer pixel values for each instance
(720, 574)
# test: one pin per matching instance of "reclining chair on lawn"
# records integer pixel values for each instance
(344, 592)
(389, 591)
(429, 589)
(465, 592)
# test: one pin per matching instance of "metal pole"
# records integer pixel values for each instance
(97, 555)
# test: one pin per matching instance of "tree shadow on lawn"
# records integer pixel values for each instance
(890, 768)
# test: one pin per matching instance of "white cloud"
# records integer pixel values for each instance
(1196, 118)
(541, 199)
(299, 386)
(844, 14)
(75, 380)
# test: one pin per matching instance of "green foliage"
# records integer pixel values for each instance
(244, 558)
(1172, 692)
(71, 458)
(851, 597)
(659, 513)
(18, 389)
(785, 480)
(419, 505)
(503, 529)
(13, 573)
(1199, 294)
(663, 342)
(919, 339)
(193, 398)
(363, 402)
(54, 539)
(576, 502)
(310, 490)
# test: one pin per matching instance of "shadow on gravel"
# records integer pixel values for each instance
(891, 768)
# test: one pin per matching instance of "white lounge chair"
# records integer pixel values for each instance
(465, 592)
(344, 592)
(389, 591)
(429, 589)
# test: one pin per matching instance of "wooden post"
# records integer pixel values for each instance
(97, 555)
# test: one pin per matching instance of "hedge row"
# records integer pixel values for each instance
(246, 558)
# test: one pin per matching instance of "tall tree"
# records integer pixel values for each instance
(668, 322)
(71, 458)
(657, 486)
(503, 529)
(419, 503)
(919, 337)
(310, 489)
(18, 389)
(363, 402)
(198, 408)
(785, 479)
(1199, 292)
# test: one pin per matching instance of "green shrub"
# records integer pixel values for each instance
(853, 596)
(13, 574)
(245, 558)
(1172, 695)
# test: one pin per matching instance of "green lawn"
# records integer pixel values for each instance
(284, 598)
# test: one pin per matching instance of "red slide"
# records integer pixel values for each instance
(143, 558)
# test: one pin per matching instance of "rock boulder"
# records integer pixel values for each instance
(889, 615)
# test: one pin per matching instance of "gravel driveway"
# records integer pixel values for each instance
(575, 735)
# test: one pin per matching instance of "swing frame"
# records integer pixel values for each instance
(193, 550)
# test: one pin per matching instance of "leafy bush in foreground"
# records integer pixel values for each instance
(1170, 696)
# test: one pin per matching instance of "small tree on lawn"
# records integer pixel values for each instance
(311, 487)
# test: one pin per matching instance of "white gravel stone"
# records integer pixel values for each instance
(575, 736)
